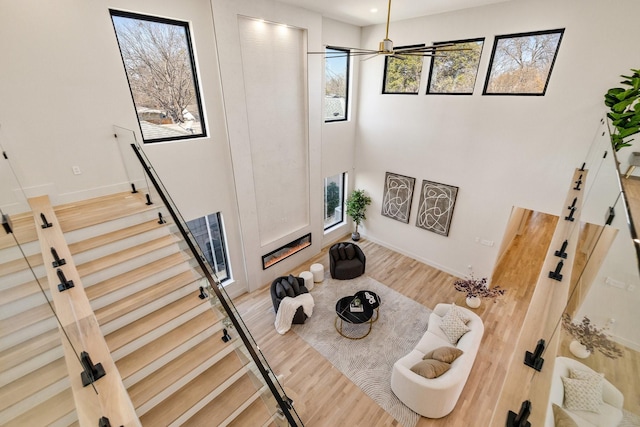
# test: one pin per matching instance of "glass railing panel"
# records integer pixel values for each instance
(272, 392)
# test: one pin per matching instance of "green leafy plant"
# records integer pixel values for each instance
(590, 336)
(625, 110)
(357, 204)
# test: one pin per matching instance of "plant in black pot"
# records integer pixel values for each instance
(625, 110)
(357, 204)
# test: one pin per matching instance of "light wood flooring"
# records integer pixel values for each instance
(328, 398)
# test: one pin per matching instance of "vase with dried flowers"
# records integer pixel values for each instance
(475, 289)
(588, 338)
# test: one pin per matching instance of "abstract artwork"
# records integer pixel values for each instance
(436, 207)
(397, 195)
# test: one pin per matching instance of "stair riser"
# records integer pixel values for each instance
(147, 309)
(23, 276)
(108, 226)
(123, 267)
(30, 365)
(122, 293)
(33, 400)
(23, 304)
(158, 332)
(17, 336)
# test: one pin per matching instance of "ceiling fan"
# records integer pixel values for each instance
(386, 48)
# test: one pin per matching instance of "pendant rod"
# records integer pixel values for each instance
(386, 36)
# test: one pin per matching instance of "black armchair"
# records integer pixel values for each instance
(346, 261)
(288, 286)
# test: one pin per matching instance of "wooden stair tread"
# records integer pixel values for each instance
(25, 318)
(151, 321)
(20, 264)
(22, 290)
(225, 404)
(47, 412)
(121, 307)
(114, 236)
(24, 231)
(116, 258)
(125, 279)
(193, 392)
(256, 414)
(31, 383)
(146, 354)
(150, 386)
(85, 213)
(30, 348)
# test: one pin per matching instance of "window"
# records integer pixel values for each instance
(402, 73)
(336, 85)
(521, 64)
(455, 72)
(208, 232)
(334, 200)
(160, 67)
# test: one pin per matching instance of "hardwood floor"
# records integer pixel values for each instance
(328, 398)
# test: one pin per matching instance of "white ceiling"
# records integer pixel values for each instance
(359, 12)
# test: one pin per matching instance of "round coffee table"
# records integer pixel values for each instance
(344, 314)
(372, 299)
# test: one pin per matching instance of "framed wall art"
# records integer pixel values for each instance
(397, 196)
(436, 207)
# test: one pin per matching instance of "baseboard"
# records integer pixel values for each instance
(414, 256)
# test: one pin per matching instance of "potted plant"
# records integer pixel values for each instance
(357, 204)
(625, 110)
(587, 338)
(475, 289)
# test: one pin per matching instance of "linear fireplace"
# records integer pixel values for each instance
(285, 251)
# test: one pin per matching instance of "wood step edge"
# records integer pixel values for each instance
(152, 321)
(19, 264)
(26, 318)
(29, 349)
(113, 236)
(23, 290)
(143, 297)
(46, 413)
(124, 255)
(125, 279)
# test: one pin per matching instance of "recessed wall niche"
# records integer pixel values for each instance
(274, 72)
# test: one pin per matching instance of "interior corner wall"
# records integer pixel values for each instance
(226, 13)
(501, 151)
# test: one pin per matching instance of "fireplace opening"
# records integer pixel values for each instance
(285, 251)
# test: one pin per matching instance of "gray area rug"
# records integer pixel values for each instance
(367, 362)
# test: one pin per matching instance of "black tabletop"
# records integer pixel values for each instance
(342, 310)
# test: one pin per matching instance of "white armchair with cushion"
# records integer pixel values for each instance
(436, 397)
(585, 401)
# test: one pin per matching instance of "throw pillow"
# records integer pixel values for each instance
(582, 395)
(350, 251)
(430, 368)
(288, 289)
(453, 327)
(461, 315)
(596, 377)
(444, 354)
(335, 254)
(561, 418)
(280, 293)
(341, 251)
(294, 284)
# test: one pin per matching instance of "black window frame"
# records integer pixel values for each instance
(384, 75)
(559, 31)
(347, 54)
(432, 62)
(192, 62)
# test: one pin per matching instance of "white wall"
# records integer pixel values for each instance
(501, 151)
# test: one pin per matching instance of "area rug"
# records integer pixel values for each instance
(629, 419)
(367, 362)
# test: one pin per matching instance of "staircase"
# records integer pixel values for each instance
(165, 340)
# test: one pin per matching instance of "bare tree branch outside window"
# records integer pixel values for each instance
(521, 64)
(455, 68)
(159, 65)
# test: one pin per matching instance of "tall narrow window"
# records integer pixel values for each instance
(160, 67)
(208, 232)
(336, 87)
(334, 200)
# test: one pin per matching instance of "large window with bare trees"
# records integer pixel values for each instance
(521, 64)
(160, 67)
